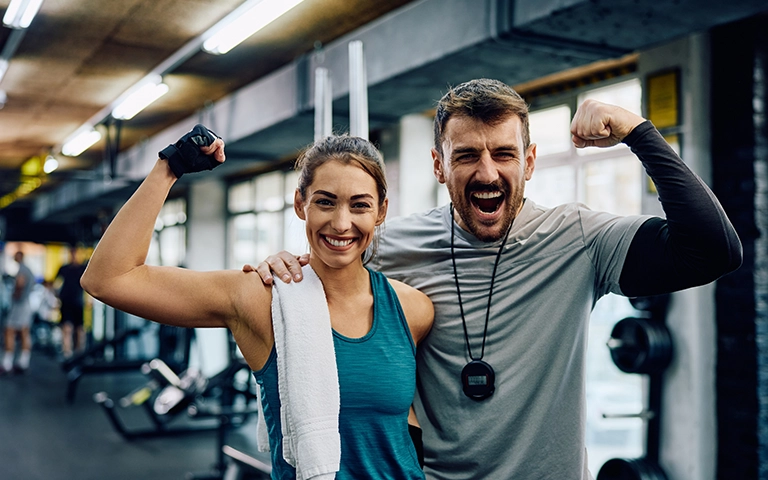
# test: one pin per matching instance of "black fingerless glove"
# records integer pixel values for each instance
(185, 156)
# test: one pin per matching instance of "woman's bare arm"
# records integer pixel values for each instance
(118, 276)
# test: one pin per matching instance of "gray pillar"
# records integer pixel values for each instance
(688, 443)
(206, 250)
(418, 185)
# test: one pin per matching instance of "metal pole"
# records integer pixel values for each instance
(323, 103)
(358, 91)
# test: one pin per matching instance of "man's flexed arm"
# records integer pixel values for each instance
(696, 243)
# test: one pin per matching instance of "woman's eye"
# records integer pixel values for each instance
(324, 202)
(360, 205)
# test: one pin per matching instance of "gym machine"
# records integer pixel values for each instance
(173, 348)
(167, 395)
(243, 466)
(230, 417)
(642, 345)
(93, 360)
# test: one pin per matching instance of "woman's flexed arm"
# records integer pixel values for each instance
(118, 276)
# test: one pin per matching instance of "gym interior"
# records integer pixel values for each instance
(138, 400)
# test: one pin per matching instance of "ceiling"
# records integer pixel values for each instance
(78, 56)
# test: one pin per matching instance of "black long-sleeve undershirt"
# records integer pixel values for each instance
(695, 245)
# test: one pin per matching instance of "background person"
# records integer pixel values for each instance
(342, 198)
(72, 300)
(513, 283)
(19, 319)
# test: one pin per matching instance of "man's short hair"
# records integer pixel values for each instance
(487, 100)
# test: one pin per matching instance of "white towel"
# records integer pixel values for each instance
(308, 382)
(262, 436)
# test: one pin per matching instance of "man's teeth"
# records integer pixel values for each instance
(338, 243)
(487, 195)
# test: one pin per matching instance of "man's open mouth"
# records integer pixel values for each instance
(487, 201)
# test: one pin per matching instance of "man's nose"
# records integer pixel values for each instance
(486, 171)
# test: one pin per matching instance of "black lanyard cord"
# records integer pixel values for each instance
(490, 293)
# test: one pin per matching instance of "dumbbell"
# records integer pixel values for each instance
(656, 305)
(174, 398)
(640, 345)
(631, 469)
(175, 392)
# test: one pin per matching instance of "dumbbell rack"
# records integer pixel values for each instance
(642, 346)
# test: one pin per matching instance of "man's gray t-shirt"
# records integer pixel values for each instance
(556, 264)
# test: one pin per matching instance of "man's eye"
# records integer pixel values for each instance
(464, 158)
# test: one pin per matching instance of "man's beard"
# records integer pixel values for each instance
(512, 199)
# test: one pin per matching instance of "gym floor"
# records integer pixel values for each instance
(44, 437)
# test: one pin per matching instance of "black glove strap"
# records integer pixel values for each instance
(171, 152)
(185, 156)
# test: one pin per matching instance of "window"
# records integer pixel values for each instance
(627, 95)
(269, 192)
(169, 242)
(240, 197)
(605, 179)
(262, 220)
(550, 129)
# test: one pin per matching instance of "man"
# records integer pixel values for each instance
(19, 319)
(72, 302)
(502, 373)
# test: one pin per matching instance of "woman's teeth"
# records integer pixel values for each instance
(338, 243)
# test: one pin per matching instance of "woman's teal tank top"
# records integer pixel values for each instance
(377, 382)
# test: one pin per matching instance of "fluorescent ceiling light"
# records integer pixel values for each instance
(80, 141)
(21, 12)
(244, 22)
(138, 98)
(50, 164)
(3, 67)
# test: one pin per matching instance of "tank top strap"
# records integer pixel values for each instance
(387, 309)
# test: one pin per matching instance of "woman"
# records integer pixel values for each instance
(342, 197)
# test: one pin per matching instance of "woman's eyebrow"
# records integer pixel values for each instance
(361, 195)
(325, 194)
(334, 196)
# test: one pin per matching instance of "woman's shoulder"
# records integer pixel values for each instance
(417, 307)
(403, 289)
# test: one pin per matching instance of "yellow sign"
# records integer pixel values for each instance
(32, 176)
(33, 167)
(663, 101)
